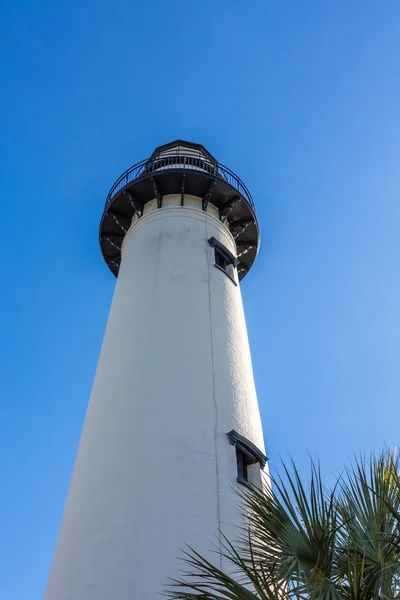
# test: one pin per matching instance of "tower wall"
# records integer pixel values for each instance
(155, 469)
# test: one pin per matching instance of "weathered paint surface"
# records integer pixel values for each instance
(155, 470)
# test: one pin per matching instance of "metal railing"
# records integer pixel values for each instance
(180, 160)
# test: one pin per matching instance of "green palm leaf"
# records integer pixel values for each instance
(306, 542)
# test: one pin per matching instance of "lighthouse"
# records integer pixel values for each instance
(173, 425)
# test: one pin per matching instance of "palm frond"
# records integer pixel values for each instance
(305, 542)
(370, 505)
(204, 581)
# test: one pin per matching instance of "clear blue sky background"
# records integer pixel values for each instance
(302, 100)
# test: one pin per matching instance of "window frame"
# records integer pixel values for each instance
(245, 449)
(222, 251)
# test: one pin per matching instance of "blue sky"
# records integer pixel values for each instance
(301, 99)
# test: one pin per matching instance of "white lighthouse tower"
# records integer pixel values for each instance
(173, 424)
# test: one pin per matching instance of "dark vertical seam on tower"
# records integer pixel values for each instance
(214, 398)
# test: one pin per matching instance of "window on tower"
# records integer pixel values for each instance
(249, 460)
(244, 462)
(224, 259)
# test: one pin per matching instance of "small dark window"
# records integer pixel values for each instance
(249, 459)
(244, 460)
(224, 260)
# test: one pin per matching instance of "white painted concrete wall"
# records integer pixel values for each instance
(155, 469)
